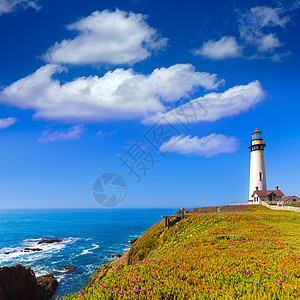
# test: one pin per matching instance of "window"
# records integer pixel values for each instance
(257, 136)
(261, 176)
(294, 200)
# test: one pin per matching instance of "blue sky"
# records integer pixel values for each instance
(83, 85)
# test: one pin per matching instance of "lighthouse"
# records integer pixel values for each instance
(257, 164)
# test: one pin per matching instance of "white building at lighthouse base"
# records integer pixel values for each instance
(271, 196)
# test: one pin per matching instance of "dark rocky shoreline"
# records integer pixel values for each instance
(20, 283)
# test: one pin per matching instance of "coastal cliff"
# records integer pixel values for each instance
(150, 241)
(231, 252)
(138, 251)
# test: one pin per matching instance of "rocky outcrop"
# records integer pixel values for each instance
(132, 241)
(99, 274)
(27, 249)
(69, 268)
(48, 283)
(118, 255)
(32, 249)
(45, 241)
(19, 283)
(103, 271)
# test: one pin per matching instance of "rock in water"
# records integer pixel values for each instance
(133, 241)
(19, 283)
(48, 282)
(45, 241)
(32, 249)
(69, 268)
(118, 255)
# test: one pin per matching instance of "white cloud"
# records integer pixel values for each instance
(214, 106)
(253, 23)
(8, 6)
(268, 43)
(5, 123)
(108, 37)
(119, 94)
(226, 47)
(74, 133)
(208, 146)
(264, 16)
(257, 37)
(103, 134)
(295, 5)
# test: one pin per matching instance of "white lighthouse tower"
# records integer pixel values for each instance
(257, 164)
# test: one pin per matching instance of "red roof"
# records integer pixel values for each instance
(267, 193)
(287, 198)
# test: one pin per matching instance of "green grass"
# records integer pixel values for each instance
(250, 253)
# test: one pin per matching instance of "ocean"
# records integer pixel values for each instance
(89, 237)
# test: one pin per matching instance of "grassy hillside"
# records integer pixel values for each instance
(246, 253)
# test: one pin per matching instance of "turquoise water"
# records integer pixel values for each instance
(88, 238)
